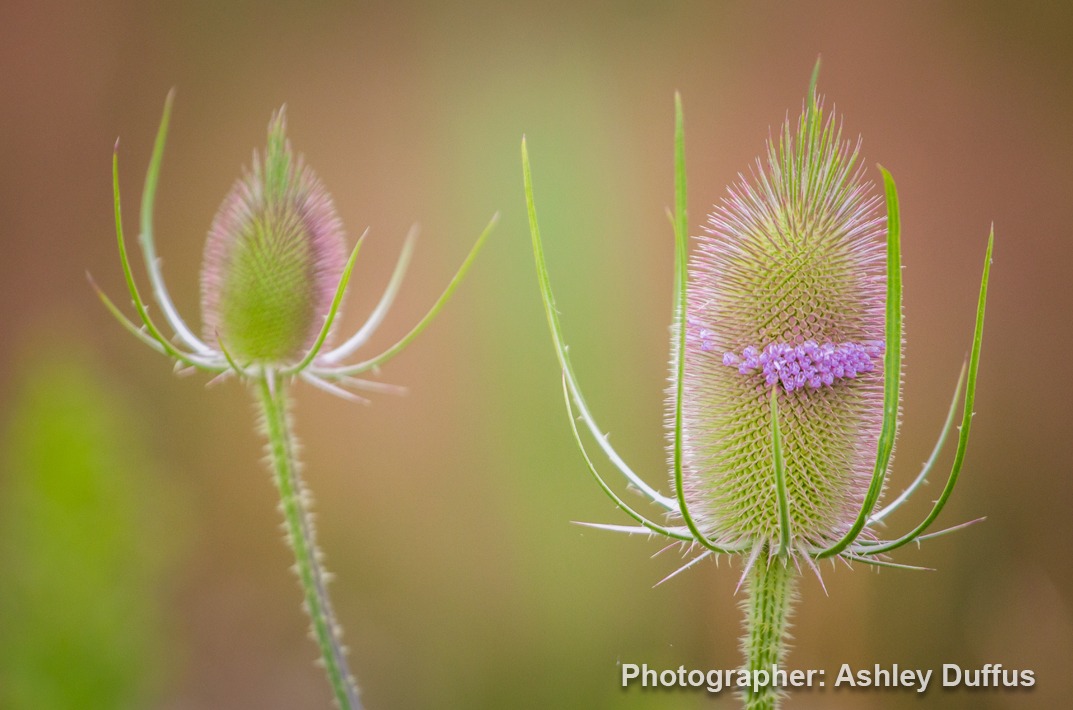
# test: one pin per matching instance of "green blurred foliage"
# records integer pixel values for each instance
(85, 539)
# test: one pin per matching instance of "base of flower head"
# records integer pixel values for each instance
(805, 365)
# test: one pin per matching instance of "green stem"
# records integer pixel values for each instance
(301, 537)
(771, 596)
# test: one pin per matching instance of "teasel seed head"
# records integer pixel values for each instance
(786, 291)
(273, 259)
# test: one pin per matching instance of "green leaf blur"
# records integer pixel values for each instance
(83, 542)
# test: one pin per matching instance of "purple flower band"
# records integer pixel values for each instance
(806, 365)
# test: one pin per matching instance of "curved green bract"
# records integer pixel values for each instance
(380, 311)
(779, 462)
(560, 346)
(966, 419)
(230, 358)
(681, 280)
(892, 369)
(127, 324)
(332, 311)
(148, 244)
(654, 527)
(423, 323)
(128, 275)
(925, 471)
(886, 563)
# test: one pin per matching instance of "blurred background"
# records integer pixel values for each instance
(143, 564)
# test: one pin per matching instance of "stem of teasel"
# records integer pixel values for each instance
(767, 613)
(272, 396)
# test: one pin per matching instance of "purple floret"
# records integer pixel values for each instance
(806, 365)
(701, 337)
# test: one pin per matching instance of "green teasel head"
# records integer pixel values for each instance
(786, 361)
(272, 282)
(786, 304)
(273, 277)
(273, 258)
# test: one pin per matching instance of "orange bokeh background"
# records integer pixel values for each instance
(445, 514)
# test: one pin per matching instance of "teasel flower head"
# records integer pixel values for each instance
(273, 259)
(786, 299)
(785, 381)
(273, 278)
(274, 274)
(786, 352)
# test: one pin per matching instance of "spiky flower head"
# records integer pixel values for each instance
(274, 274)
(785, 376)
(274, 257)
(273, 278)
(786, 292)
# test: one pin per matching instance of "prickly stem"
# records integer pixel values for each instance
(767, 612)
(294, 503)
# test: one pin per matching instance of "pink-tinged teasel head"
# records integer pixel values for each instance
(786, 360)
(786, 291)
(273, 259)
(273, 278)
